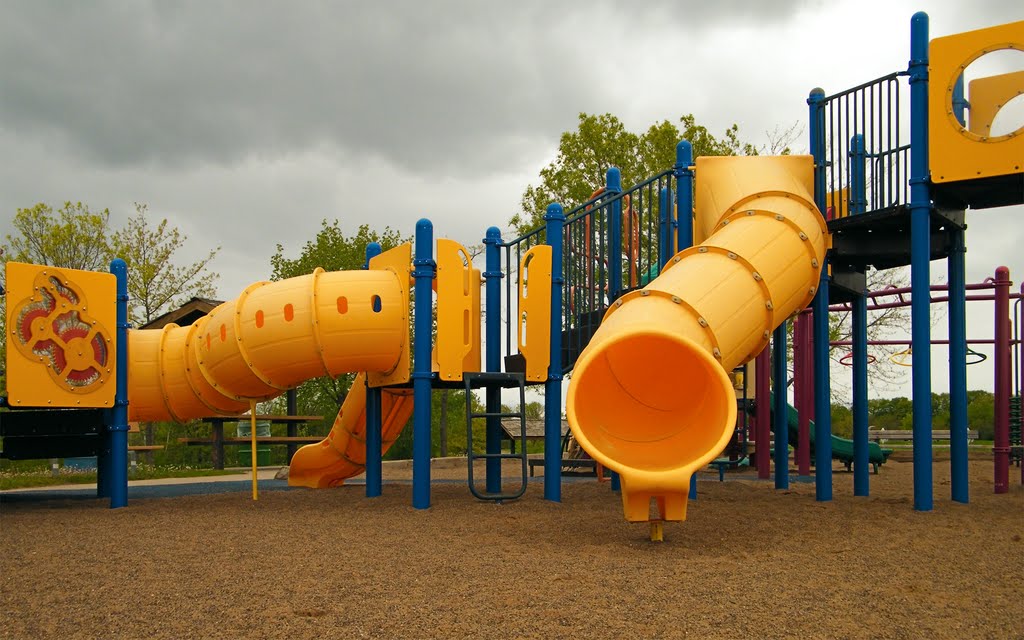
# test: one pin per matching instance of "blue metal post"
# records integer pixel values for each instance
(822, 388)
(555, 220)
(116, 472)
(960, 105)
(780, 406)
(614, 188)
(492, 328)
(858, 205)
(374, 438)
(858, 175)
(684, 221)
(861, 480)
(920, 259)
(959, 489)
(684, 195)
(423, 273)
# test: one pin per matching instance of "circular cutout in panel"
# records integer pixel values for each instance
(1010, 118)
(993, 95)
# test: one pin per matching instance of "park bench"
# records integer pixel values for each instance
(535, 431)
(217, 440)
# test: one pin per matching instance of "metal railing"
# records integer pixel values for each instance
(598, 264)
(867, 150)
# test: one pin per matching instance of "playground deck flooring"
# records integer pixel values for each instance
(750, 562)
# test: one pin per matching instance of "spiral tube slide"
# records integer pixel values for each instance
(269, 339)
(650, 397)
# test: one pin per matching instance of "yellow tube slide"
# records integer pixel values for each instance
(650, 397)
(269, 339)
(342, 454)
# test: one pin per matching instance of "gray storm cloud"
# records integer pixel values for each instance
(438, 86)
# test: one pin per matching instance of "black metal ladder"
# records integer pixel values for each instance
(488, 381)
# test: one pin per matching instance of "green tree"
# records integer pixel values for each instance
(331, 250)
(72, 236)
(602, 141)
(842, 420)
(155, 283)
(981, 413)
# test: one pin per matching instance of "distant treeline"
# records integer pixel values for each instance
(897, 413)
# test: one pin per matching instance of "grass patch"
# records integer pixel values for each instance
(44, 478)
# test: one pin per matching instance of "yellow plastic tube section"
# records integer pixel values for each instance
(650, 397)
(269, 339)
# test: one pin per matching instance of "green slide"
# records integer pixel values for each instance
(842, 448)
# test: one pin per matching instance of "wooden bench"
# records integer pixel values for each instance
(906, 435)
(259, 440)
(217, 439)
(535, 431)
(588, 464)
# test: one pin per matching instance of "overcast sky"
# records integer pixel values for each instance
(246, 123)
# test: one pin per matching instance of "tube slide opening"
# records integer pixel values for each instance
(651, 400)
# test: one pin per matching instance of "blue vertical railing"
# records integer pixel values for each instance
(867, 115)
(595, 268)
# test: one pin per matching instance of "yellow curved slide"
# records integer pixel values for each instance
(274, 336)
(342, 454)
(650, 397)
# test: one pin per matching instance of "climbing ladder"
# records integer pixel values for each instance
(1016, 439)
(491, 380)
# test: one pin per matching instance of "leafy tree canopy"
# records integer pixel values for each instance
(332, 251)
(602, 141)
(155, 283)
(73, 237)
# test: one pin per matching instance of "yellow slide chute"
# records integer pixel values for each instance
(650, 396)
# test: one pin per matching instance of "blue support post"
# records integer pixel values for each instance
(684, 195)
(492, 329)
(555, 220)
(959, 489)
(822, 388)
(920, 260)
(861, 477)
(423, 273)
(780, 406)
(116, 472)
(858, 175)
(959, 485)
(684, 221)
(374, 437)
(858, 205)
(614, 188)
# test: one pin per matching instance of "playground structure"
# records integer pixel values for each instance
(650, 311)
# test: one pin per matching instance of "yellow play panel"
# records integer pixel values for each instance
(957, 152)
(61, 350)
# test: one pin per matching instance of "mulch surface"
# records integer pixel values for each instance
(750, 562)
